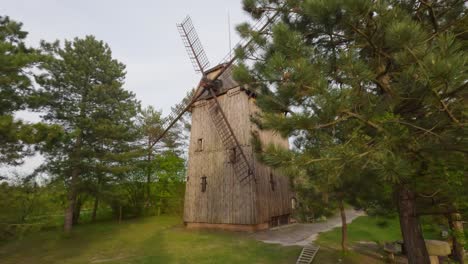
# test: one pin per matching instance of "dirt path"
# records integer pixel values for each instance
(303, 234)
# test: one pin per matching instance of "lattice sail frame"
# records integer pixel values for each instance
(193, 45)
(269, 18)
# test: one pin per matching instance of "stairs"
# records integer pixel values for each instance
(236, 155)
(307, 255)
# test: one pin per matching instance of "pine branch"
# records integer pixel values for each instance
(432, 14)
(415, 126)
(370, 123)
(446, 109)
(321, 159)
(369, 40)
(330, 124)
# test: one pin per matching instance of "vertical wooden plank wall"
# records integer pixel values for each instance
(270, 202)
(225, 200)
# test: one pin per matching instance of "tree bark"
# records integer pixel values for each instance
(96, 198)
(95, 208)
(72, 193)
(344, 227)
(410, 228)
(120, 214)
(77, 210)
(456, 226)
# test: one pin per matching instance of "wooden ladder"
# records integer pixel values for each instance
(307, 255)
(238, 159)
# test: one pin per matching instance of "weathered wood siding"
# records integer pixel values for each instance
(270, 202)
(225, 200)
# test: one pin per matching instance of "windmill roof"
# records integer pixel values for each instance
(226, 78)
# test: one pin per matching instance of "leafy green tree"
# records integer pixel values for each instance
(26, 205)
(167, 178)
(83, 87)
(150, 124)
(373, 85)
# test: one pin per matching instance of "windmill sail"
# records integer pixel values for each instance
(260, 26)
(177, 111)
(193, 45)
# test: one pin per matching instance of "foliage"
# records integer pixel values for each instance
(167, 189)
(99, 146)
(26, 206)
(160, 163)
(83, 87)
(17, 138)
(372, 92)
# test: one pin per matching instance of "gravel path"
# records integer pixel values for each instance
(303, 234)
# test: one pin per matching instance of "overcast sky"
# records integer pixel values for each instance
(141, 33)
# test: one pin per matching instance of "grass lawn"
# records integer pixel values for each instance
(364, 228)
(150, 240)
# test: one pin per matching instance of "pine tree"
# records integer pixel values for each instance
(17, 138)
(373, 85)
(83, 85)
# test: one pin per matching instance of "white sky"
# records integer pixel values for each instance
(141, 33)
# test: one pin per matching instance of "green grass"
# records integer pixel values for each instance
(364, 228)
(375, 229)
(150, 240)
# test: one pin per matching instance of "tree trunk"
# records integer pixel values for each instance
(95, 208)
(72, 195)
(148, 188)
(120, 214)
(148, 175)
(456, 226)
(410, 228)
(73, 191)
(96, 198)
(344, 227)
(77, 210)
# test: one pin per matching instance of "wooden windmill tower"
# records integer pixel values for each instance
(226, 186)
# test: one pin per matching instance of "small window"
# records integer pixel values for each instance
(203, 184)
(199, 144)
(233, 155)
(272, 182)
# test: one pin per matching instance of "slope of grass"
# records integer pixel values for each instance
(364, 228)
(375, 229)
(150, 240)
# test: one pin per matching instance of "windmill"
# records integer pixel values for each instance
(226, 187)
